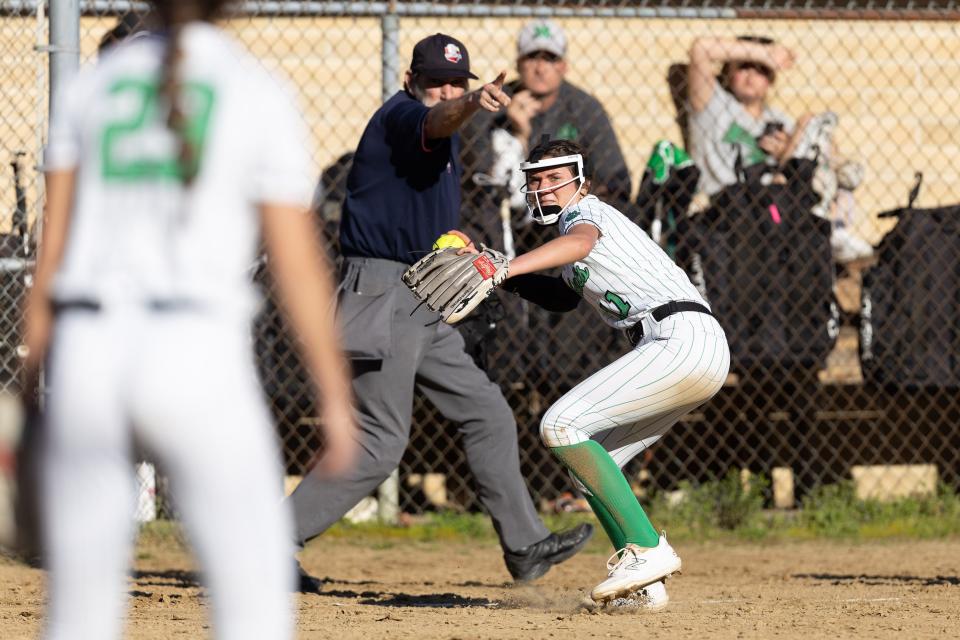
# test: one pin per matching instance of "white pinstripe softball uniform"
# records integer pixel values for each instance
(180, 382)
(680, 363)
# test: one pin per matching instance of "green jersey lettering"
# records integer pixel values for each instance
(622, 306)
(140, 165)
(738, 135)
(567, 132)
(580, 277)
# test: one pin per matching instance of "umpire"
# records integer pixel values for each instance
(403, 191)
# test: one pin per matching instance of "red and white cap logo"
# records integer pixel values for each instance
(452, 53)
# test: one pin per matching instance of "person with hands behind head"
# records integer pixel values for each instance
(142, 307)
(730, 121)
(403, 193)
(679, 358)
(729, 116)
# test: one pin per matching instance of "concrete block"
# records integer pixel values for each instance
(364, 511)
(892, 481)
(433, 486)
(783, 488)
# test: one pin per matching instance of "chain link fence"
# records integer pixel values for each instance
(830, 379)
(23, 124)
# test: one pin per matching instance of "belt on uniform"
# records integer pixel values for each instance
(635, 333)
(93, 306)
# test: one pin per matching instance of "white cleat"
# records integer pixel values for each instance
(653, 597)
(634, 568)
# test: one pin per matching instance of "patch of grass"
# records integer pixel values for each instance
(446, 526)
(719, 510)
(162, 533)
(835, 511)
(430, 527)
(715, 508)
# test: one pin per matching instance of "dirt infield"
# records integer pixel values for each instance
(457, 590)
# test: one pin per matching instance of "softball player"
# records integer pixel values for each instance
(679, 360)
(165, 162)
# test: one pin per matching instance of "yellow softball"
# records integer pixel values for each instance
(449, 240)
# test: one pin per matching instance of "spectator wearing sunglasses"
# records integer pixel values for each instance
(728, 114)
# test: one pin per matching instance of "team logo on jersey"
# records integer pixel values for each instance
(567, 132)
(452, 53)
(573, 214)
(580, 277)
(621, 307)
(748, 144)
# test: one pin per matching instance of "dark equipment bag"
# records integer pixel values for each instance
(764, 262)
(910, 302)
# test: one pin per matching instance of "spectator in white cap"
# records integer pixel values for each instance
(544, 103)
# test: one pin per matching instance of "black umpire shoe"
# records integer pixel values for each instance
(532, 562)
(307, 583)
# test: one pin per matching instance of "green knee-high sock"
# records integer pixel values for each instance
(591, 463)
(608, 522)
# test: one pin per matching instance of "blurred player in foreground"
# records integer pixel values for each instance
(679, 359)
(166, 162)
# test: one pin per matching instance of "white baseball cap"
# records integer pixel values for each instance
(542, 35)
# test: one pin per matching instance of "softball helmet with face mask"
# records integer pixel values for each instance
(548, 214)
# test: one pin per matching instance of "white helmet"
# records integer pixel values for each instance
(550, 213)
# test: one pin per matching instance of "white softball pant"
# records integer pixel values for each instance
(680, 363)
(182, 385)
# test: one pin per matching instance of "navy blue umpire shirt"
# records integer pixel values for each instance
(403, 190)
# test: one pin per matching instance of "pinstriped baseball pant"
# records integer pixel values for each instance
(680, 363)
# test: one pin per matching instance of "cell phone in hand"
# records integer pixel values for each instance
(771, 128)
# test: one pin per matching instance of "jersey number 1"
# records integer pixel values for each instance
(622, 306)
(124, 162)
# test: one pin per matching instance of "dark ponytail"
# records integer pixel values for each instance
(171, 95)
(175, 15)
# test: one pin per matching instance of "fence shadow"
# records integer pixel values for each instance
(402, 600)
(168, 578)
(875, 580)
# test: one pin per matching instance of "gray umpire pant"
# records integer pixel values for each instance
(395, 349)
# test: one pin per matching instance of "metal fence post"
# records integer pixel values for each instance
(64, 44)
(388, 494)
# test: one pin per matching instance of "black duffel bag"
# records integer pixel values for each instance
(765, 265)
(910, 302)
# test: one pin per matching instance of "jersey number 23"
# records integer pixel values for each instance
(126, 154)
